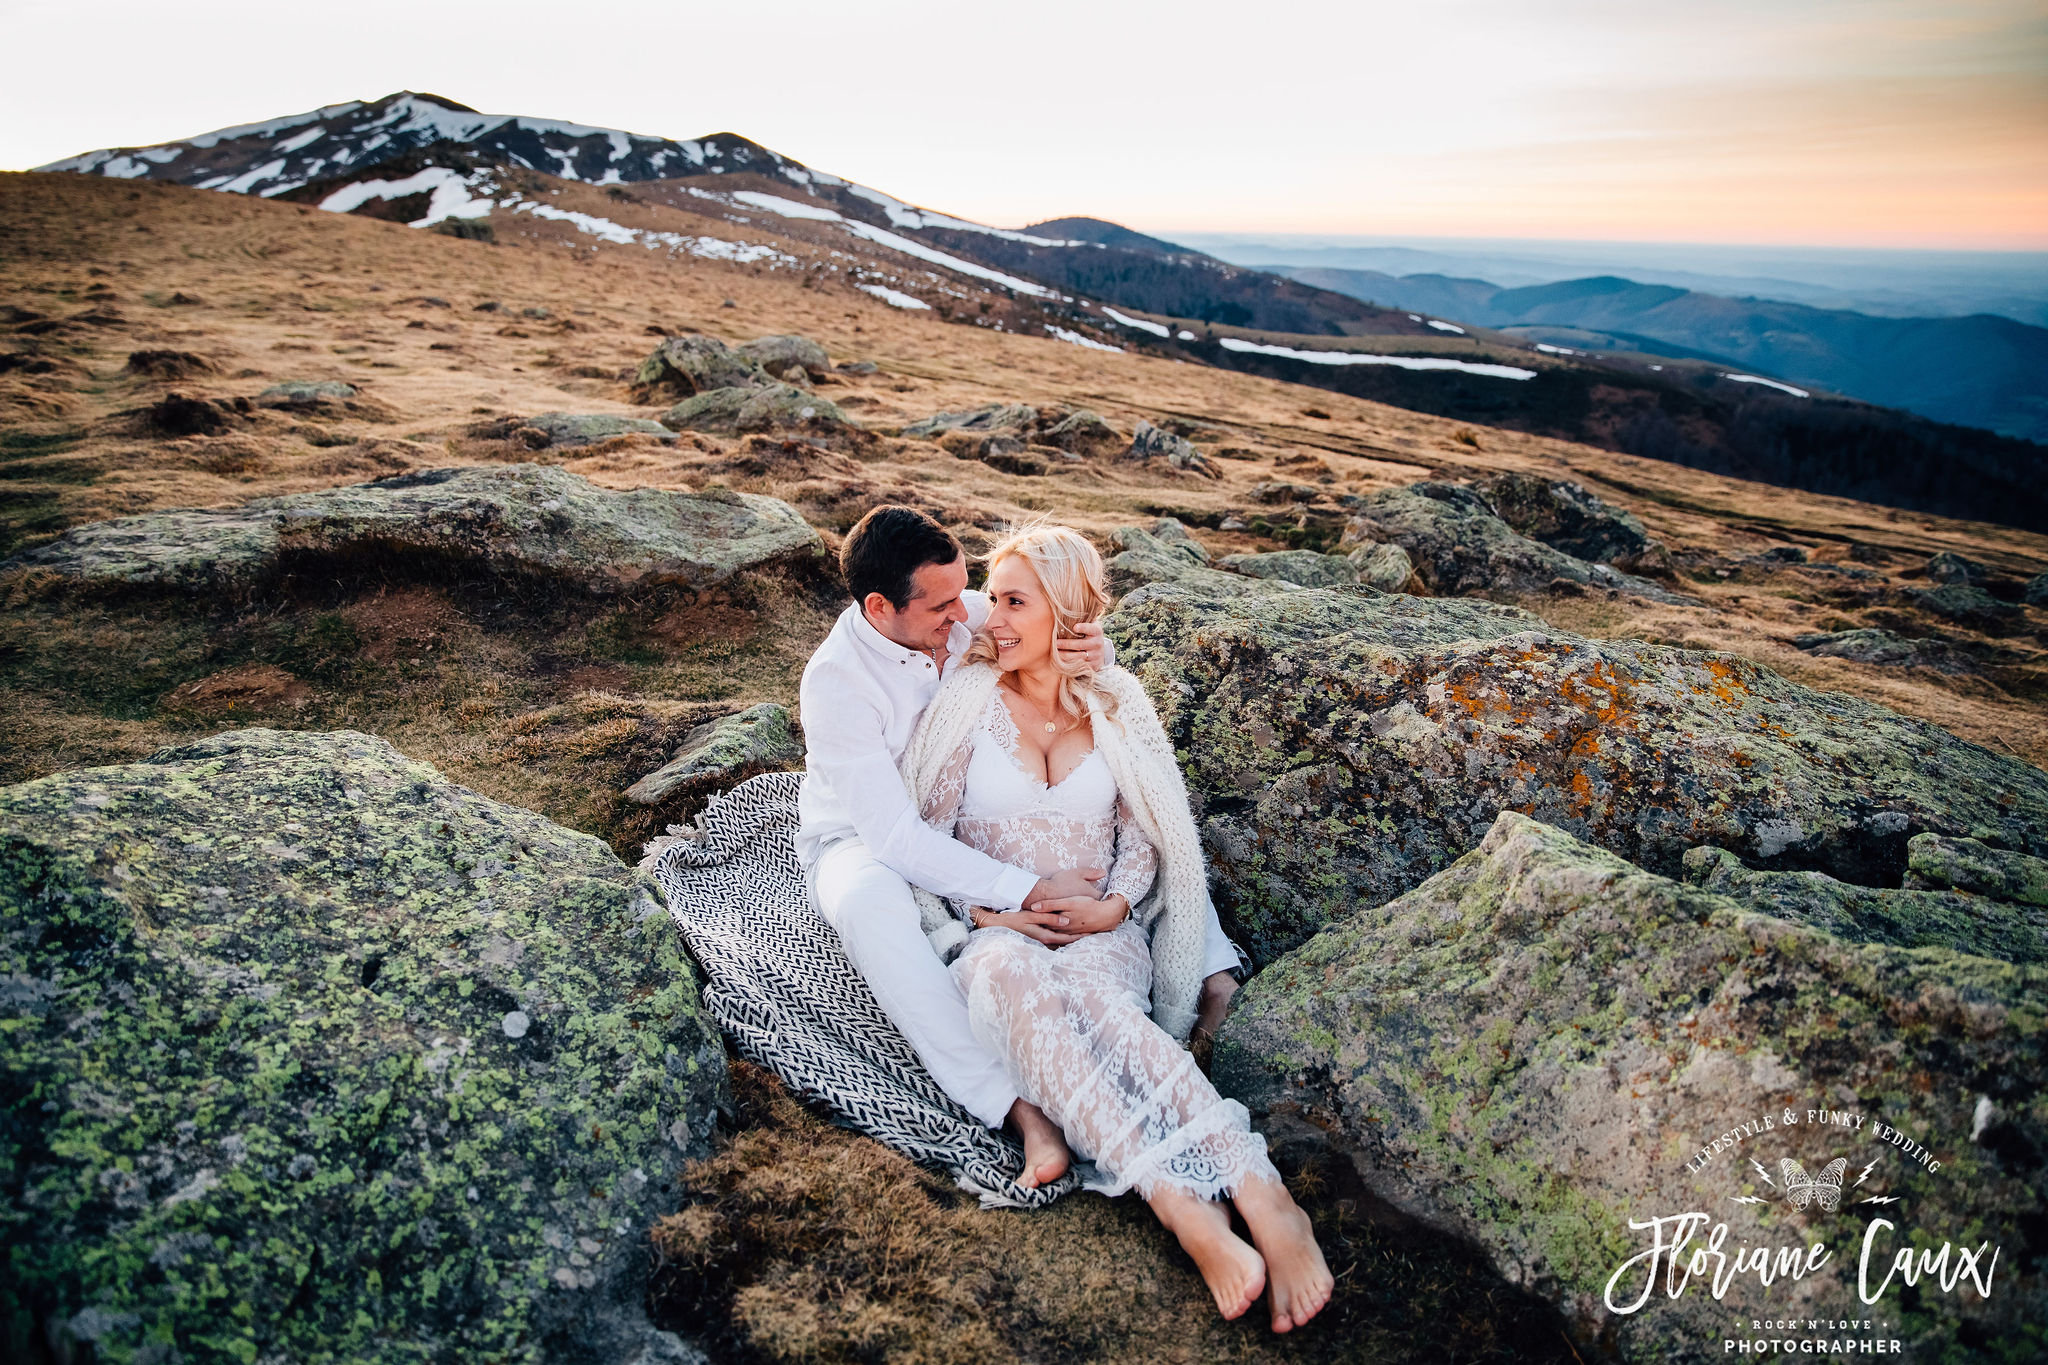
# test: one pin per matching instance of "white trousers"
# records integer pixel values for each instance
(878, 925)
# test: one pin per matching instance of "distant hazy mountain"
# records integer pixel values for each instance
(1884, 283)
(1979, 371)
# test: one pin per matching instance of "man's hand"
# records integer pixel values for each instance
(1087, 645)
(1074, 883)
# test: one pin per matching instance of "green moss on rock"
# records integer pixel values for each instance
(311, 1054)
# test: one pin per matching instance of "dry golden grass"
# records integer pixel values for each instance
(802, 1242)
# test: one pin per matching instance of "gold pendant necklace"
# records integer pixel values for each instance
(1050, 728)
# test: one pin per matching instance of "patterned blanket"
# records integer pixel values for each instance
(782, 989)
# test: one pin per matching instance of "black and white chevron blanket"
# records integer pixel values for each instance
(782, 989)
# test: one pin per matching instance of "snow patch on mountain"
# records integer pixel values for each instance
(1076, 339)
(1768, 383)
(1140, 323)
(895, 298)
(1404, 362)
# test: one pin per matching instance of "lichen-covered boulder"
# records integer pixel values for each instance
(1906, 918)
(1871, 645)
(772, 407)
(987, 417)
(1950, 567)
(1544, 1042)
(1345, 746)
(777, 353)
(312, 1054)
(1564, 516)
(722, 753)
(524, 520)
(1168, 554)
(1386, 567)
(305, 393)
(568, 429)
(1304, 567)
(1461, 547)
(1938, 860)
(1150, 443)
(697, 364)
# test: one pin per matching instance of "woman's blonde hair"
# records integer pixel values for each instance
(1070, 574)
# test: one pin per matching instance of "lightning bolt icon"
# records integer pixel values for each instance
(1748, 1199)
(1767, 1175)
(1866, 1173)
(1879, 1199)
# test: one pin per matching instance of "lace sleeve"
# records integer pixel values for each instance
(1137, 862)
(942, 804)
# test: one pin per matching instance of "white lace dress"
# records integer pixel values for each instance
(1073, 1024)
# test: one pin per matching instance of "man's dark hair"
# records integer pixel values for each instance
(887, 547)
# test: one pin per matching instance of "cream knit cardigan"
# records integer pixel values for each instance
(1175, 912)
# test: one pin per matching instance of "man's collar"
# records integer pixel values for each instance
(865, 632)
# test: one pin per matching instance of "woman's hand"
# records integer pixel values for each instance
(1048, 927)
(1096, 917)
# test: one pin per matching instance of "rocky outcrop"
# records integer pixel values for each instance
(2036, 591)
(1168, 554)
(1305, 568)
(1906, 918)
(524, 520)
(778, 354)
(1082, 433)
(1970, 606)
(988, 417)
(1386, 567)
(1461, 547)
(1949, 567)
(1564, 516)
(696, 364)
(772, 407)
(1150, 443)
(1871, 645)
(722, 753)
(305, 393)
(1936, 861)
(313, 1054)
(566, 430)
(1544, 1042)
(1346, 746)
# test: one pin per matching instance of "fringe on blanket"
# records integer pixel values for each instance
(782, 989)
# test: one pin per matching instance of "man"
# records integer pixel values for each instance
(864, 845)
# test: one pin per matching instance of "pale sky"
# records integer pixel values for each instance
(1819, 122)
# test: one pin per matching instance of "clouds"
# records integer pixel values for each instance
(1878, 121)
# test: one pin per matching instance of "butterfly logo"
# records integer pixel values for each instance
(1824, 1189)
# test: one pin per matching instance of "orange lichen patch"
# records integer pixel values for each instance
(1582, 791)
(1727, 680)
(1772, 727)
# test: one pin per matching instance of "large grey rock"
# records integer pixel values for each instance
(1871, 645)
(777, 353)
(1949, 567)
(1460, 547)
(1305, 568)
(987, 417)
(1167, 554)
(772, 407)
(1346, 746)
(721, 753)
(1545, 1042)
(1386, 567)
(1937, 860)
(1915, 918)
(697, 364)
(1175, 452)
(1564, 516)
(565, 430)
(314, 1055)
(525, 520)
(2037, 590)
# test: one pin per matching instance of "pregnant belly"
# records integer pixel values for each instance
(1044, 844)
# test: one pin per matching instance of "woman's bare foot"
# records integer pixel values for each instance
(1046, 1157)
(1234, 1272)
(1284, 1236)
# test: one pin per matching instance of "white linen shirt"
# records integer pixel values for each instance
(860, 699)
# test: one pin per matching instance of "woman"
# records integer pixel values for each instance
(1046, 769)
